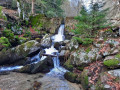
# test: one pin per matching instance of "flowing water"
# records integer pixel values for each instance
(54, 80)
(57, 70)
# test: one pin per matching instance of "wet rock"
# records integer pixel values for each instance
(46, 41)
(43, 65)
(20, 52)
(57, 45)
(62, 53)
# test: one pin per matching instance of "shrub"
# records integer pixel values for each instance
(111, 63)
(84, 41)
(22, 40)
(5, 42)
(8, 34)
(79, 40)
(87, 41)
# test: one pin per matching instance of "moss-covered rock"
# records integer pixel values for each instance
(84, 79)
(68, 65)
(20, 52)
(111, 63)
(70, 76)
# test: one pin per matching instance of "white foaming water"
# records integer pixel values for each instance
(19, 10)
(10, 68)
(51, 50)
(60, 36)
(57, 71)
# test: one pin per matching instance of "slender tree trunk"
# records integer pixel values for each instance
(33, 1)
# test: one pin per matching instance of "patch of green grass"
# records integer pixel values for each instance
(111, 63)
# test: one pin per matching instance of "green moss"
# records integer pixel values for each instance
(68, 66)
(22, 40)
(118, 56)
(29, 44)
(80, 68)
(111, 63)
(37, 20)
(70, 76)
(88, 49)
(84, 79)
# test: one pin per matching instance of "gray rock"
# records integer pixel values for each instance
(115, 72)
(109, 57)
(46, 41)
(72, 45)
(42, 66)
(20, 52)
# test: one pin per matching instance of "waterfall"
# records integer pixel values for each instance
(60, 36)
(57, 70)
(19, 10)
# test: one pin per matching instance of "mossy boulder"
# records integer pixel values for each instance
(111, 63)
(82, 57)
(70, 76)
(20, 52)
(68, 65)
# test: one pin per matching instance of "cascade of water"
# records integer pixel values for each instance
(60, 36)
(57, 70)
(19, 10)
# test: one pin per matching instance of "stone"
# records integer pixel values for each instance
(72, 45)
(18, 53)
(115, 72)
(46, 41)
(109, 57)
(43, 65)
(81, 57)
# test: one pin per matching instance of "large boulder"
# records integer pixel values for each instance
(20, 52)
(84, 57)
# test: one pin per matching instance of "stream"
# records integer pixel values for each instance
(54, 80)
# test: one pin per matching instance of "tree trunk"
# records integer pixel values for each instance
(33, 1)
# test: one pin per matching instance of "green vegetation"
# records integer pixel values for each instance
(5, 42)
(70, 76)
(84, 80)
(84, 41)
(118, 56)
(89, 22)
(68, 66)
(1, 14)
(112, 63)
(37, 20)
